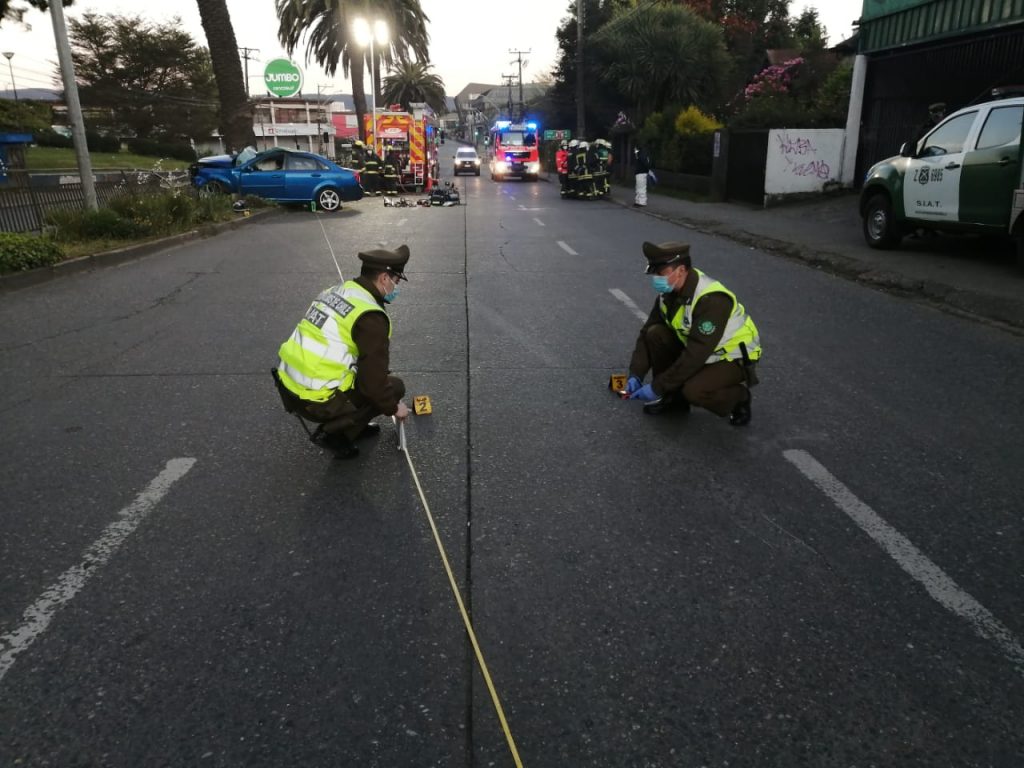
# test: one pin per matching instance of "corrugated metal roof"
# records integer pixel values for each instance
(888, 24)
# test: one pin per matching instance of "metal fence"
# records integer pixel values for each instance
(27, 197)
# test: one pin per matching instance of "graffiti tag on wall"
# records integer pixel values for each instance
(801, 156)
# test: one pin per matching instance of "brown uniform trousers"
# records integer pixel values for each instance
(718, 387)
(347, 413)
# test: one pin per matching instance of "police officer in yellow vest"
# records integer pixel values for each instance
(334, 367)
(699, 343)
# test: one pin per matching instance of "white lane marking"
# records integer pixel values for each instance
(401, 222)
(37, 616)
(524, 208)
(628, 302)
(910, 558)
(539, 222)
(565, 247)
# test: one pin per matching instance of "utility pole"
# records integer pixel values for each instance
(245, 57)
(508, 80)
(67, 73)
(519, 59)
(580, 113)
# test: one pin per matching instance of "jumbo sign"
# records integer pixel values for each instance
(282, 78)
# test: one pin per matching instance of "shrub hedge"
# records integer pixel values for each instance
(21, 252)
(161, 149)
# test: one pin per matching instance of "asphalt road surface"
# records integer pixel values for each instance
(185, 580)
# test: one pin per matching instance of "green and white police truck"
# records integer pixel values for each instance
(965, 175)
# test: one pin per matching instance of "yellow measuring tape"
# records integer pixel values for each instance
(462, 607)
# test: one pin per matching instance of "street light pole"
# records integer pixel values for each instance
(365, 36)
(10, 55)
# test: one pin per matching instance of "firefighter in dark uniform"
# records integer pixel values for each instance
(371, 171)
(699, 343)
(334, 368)
(391, 164)
(357, 156)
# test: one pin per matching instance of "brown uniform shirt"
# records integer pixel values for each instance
(370, 333)
(715, 308)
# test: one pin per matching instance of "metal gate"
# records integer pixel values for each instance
(748, 156)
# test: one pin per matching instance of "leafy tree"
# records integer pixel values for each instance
(140, 78)
(412, 81)
(558, 106)
(25, 116)
(326, 27)
(658, 54)
(16, 12)
(236, 111)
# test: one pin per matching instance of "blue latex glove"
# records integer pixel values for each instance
(645, 393)
(633, 385)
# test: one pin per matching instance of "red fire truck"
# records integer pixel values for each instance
(413, 136)
(515, 150)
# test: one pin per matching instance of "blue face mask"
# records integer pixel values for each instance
(389, 297)
(661, 284)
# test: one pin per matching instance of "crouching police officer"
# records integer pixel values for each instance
(334, 368)
(699, 343)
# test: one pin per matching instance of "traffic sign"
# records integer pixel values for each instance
(557, 135)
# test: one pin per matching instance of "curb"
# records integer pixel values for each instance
(18, 280)
(1004, 313)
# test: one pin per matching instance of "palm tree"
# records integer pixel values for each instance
(326, 26)
(412, 81)
(236, 110)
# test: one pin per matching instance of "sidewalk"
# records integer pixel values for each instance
(961, 274)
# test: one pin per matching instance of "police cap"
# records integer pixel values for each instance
(938, 106)
(666, 254)
(390, 261)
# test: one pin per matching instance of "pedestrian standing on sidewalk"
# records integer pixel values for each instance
(699, 343)
(641, 167)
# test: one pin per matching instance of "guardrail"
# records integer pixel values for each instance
(28, 196)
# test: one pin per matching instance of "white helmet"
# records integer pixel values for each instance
(574, 143)
(584, 145)
(603, 143)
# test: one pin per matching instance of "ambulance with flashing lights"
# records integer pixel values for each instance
(515, 150)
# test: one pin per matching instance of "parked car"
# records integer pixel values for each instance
(965, 175)
(283, 175)
(466, 161)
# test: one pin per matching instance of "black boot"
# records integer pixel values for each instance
(740, 415)
(672, 401)
(343, 447)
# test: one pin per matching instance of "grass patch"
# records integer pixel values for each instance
(58, 158)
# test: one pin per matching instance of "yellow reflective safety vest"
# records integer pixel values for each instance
(739, 329)
(320, 356)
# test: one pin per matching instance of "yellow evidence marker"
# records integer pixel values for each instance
(421, 405)
(617, 383)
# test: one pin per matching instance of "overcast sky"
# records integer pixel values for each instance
(466, 42)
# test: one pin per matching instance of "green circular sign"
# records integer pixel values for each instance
(283, 78)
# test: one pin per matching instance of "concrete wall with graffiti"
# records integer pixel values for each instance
(803, 160)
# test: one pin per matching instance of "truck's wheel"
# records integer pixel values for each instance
(880, 230)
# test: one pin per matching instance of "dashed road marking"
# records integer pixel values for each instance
(401, 222)
(37, 617)
(935, 581)
(628, 302)
(565, 247)
(539, 222)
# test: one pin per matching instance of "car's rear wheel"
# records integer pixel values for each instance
(328, 199)
(880, 229)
